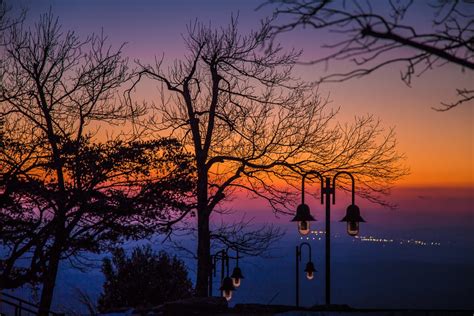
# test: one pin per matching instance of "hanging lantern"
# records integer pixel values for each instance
(236, 277)
(303, 217)
(310, 270)
(353, 219)
(227, 288)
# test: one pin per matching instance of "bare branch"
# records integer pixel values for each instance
(371, 41)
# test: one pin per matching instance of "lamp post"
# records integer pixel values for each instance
(309, 269)
(237, 275)
(303, 217)
(228, 283)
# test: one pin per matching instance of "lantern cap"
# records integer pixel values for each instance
(303, 214)
(353, 214)
(310, 267)
(227, 285)
(237, 273)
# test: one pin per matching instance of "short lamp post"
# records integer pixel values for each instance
(228, 283)
(309, 269)
(303, 217)
(237, 275)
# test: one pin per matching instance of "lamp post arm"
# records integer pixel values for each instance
(227, 263)
(220, 255)
(334, 185)
(309, 248)
(214, 258)
(222, 268)
(237, 257)
(302, 184)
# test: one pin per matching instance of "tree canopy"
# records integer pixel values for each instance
(63, 190)
(143, 279)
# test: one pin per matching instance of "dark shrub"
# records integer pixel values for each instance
(144, 279)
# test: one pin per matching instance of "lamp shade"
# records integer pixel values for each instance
(352, 214)
(303, 217)
(236, 276)
(227, 288)
(303, 214)
(353, 219)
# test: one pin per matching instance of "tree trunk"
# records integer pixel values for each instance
(204, 235)
(49, 282)
(204, 255)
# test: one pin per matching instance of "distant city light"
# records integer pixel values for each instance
(374, 239)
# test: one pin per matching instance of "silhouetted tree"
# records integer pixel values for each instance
(62, 192)
(251, 126)
(143, 279)
(6, 20)
(375, 38)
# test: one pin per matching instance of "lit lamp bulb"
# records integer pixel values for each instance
(310, 270)
(228, 295)
(353, 228)
(236, 277)
(236, 282)
(227, 288)
(303, 227)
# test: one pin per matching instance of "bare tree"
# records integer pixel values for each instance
(252, 126)
(375, 38)
(5, 19)
(62, 192)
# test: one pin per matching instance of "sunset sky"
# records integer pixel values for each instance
(436, 200)
(439, 145)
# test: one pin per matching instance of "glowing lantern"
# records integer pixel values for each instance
(227, 288)
(236, 276)
(353, 219)
(303, 217)
(310, 270)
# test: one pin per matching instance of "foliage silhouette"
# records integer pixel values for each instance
(142, 280)
(62, 191)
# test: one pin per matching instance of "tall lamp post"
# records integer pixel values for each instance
(309, 269)
(303, 217)
(228, 283)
